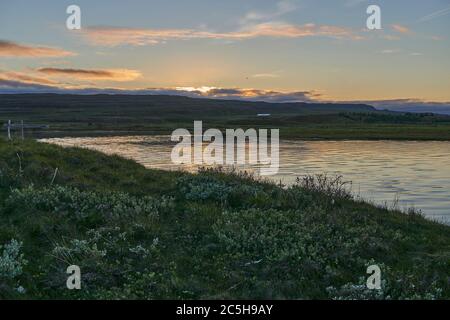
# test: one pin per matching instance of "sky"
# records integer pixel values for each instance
(272, 50)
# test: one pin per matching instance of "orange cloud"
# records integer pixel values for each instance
(26, 78)
(11, 49)
(247, 94)
(86, 74)
(294, 31)
(113, 36)
(400, 28)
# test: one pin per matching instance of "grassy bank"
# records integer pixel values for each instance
(139, 233)
(423, 132)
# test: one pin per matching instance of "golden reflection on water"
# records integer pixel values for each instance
(415, 172)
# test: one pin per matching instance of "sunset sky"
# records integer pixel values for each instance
(293, 50)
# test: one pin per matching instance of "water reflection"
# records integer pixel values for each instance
(417, 173)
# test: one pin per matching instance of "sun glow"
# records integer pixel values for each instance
(203, 89)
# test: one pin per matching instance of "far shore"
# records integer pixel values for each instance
(424, 133)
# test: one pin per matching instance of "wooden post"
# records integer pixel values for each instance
(22, 130)
(9, 129)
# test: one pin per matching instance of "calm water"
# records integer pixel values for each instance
(415, 173)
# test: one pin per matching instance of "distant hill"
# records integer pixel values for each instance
(436, 109)
(167, 106)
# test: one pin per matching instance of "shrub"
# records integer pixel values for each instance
(334, 186)
(204, 187)
(12, 263)
(106, 256)
(11, 260)
(82, 204)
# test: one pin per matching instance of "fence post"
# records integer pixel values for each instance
(9, 129)
(22, 129)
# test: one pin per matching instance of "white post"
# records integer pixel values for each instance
(9, 129)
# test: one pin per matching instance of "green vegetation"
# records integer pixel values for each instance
(75, 115)
(149, 234)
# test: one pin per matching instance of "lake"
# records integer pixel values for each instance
(412, 173)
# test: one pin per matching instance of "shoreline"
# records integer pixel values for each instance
(116, 133)
(435, 213)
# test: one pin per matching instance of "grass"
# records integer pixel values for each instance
(148, 234)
